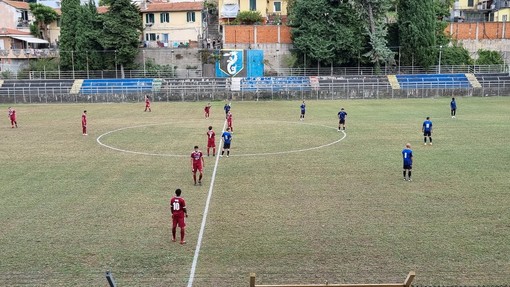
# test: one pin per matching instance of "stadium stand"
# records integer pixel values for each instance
(275, 84)
(121, 86)
(493, 80)
(35, 87)
(355, 81)
(433, 81)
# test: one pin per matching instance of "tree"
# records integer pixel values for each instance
(487, 57)
(87, 47)
(455, 55)
(68, 33)
(122, 26)
(417, 28)
(326, 32)
(44, 16)
(374, 13)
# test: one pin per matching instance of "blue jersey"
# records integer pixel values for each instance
(227, 137)
(303, 107)
(341, 115)
(427, 126)
(407, 155)
(453, 105)
(226, 108)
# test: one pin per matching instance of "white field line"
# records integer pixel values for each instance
(206, 211)
(237, 155)
(130, 151)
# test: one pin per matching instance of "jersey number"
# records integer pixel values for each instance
(176, 205)
(427, 126)
(405, 155)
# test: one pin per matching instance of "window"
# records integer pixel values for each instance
(149, 18)
(164, 17)
(150, 37)
(505, 18)
(471, 3)
(253, 5)
(59, 22)
(190, 16)
(277, 6)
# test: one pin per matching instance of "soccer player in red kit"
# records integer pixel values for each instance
(229, 121)
(207, 109)
(197, 164)
(12, 116)
(211, 141)
(178, 208)
(147, 103)
(84, 123)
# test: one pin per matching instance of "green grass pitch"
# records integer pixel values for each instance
(71, 209)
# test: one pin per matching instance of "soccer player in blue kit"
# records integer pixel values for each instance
(303, 110)
(341, 116)
(427, 130)
(453, 108)
(227, 138)
(407, 155)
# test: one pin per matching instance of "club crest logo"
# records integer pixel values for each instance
(231, 62)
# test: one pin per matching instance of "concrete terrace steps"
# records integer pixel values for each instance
(474, 82)
(394, 82)
(75, 89)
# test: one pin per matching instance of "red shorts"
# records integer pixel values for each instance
(197, 167)
(211, 143)
(13, 119)
(147, 105)
(178, 220)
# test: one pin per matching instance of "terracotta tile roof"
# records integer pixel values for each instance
(17, 4)
(9, 31)
(178, 6)
(102, 9)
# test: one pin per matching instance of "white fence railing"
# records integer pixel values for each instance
(198, 73)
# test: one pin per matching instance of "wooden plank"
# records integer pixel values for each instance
(409, 279)
(334, 285)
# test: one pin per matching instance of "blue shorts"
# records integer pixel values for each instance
(427, 134)
(408, 166)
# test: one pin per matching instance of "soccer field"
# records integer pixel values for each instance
(296, 202)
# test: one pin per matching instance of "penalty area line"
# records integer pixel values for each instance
(206, 211)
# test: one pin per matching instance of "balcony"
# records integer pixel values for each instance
(28, 53)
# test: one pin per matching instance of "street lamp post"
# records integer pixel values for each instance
(440, 52)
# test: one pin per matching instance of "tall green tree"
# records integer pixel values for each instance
(326, 32)
(122, 26)
(44, 16)
(87, 46)
(68, 32)
(417, 32)
(373, 15)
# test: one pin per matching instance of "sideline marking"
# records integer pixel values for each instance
(234, 155)
(206, 210)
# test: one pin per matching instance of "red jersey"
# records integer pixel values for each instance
(229, 119)
(211, 136)
(84, 119)
(147, 102)
(197, 158)
(207, 108)
(12, 114)
(177, 206)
